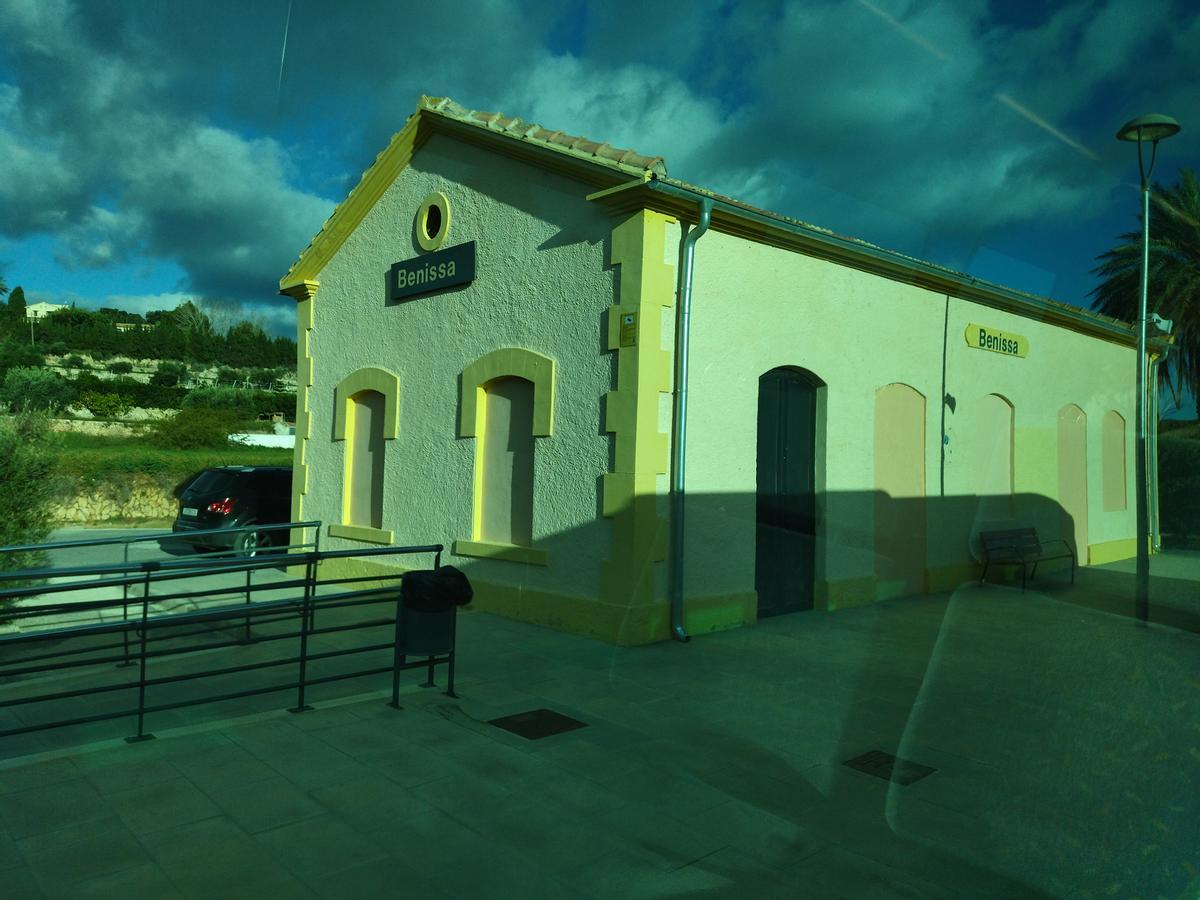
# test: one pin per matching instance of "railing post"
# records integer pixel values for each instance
(306, 613)
(398, 658)
(246, 637)
(125, 608)
(141, 733)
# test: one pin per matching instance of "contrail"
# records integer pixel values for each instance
(282, 56)
(1006, 100)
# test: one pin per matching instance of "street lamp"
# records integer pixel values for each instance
(1152, 128)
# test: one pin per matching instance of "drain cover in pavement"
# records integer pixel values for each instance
(889, 768)
(537, 723)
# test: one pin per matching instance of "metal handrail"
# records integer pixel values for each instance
(160, 535)
(154, 634)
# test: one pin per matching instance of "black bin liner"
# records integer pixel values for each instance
(429, 598)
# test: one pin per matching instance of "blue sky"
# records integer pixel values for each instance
(153, 152)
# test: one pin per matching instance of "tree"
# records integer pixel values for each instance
(16, 303)
(28, 471)
(34, 389)
(1174, 277)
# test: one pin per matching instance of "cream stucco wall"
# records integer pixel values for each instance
(756, 307)
(543, 284)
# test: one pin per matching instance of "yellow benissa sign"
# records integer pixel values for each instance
(983, 338)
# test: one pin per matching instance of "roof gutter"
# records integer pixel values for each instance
(683, 320)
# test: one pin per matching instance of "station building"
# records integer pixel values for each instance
(488, 330)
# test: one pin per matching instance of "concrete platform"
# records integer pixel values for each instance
(1065, 739)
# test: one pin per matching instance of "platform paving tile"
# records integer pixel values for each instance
(104, 851)
(215, 858)
(19, 884)
(146, 881)
(161, 805)
(49, 808)
(39, 774)
(317, 846)
(266, 804)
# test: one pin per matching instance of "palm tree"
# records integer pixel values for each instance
(1174, 277)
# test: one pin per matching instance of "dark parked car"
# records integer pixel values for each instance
(235, 496)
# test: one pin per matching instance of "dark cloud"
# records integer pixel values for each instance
(164, 129)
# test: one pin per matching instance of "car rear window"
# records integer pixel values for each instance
(211, 480)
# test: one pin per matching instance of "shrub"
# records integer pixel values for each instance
(169, 374)
(120, 367)
(1179, 485)
(193, 428)
(74, 361)
(104, 405)
(239, 403)
(18, 353)
(27, 389)
(28, 471)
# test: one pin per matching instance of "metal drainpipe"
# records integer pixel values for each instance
(679, 444)
(1152, 463)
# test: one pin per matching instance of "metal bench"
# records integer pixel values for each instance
(1021, 547)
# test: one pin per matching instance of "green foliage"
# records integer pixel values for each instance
(27, 389)
(87, 459)
(58, 348)
(16, 303)
(192, 428)
(236, 402)
(18, 353)
(1179, 484)
(120, 367)
(169, 374)
(28, 471)
(1173, 277)
(104, 404)
(74, 361)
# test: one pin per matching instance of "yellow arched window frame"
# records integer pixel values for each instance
(358, 382)
(509, 362)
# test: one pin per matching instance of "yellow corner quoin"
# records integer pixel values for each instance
(363, 533)
(428, 236)
(304, 292)
(983, 338)
(515, 362)
(508, 552)
(369, 378)
(629, 491)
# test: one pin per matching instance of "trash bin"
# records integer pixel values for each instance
(429, 600)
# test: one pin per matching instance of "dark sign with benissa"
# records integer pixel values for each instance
(432, 272)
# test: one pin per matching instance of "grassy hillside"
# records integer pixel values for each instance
(86, 459)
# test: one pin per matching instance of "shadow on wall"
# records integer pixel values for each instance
(750, 557)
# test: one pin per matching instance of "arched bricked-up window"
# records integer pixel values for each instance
(363, 503)
(994, 456)
(506, 455)
(366, 417)
(506, 403)
(1113, 451)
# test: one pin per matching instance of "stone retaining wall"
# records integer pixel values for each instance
(141, 498)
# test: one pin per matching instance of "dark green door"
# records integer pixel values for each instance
(786, 501)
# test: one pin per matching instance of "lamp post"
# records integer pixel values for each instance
(1152, 128)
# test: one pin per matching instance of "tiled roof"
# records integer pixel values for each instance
(603, 153)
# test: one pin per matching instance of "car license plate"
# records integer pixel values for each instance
(191, 511)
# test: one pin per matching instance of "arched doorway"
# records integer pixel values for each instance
(1072, 477)
(785, 548)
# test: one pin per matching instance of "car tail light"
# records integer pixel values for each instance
(222, 507)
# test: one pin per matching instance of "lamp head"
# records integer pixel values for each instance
(1163, 325)
(1152, 127)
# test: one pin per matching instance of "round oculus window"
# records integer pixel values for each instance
(432, 225)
